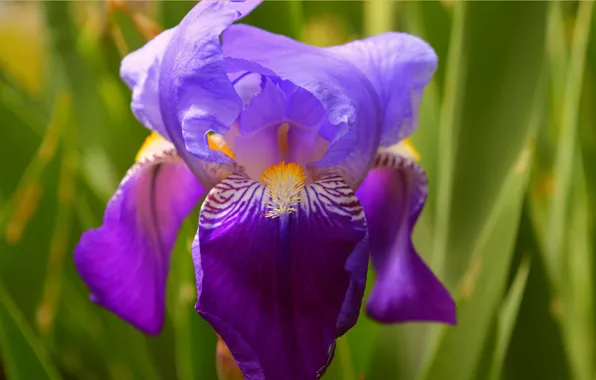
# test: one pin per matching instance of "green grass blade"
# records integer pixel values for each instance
(481, 290)
(126, 32)
(23, 354)
(567, 141)
(507, 318)
(578, 282)
(59, 246)
(171, 12)
(195, 339)
(449, 119)
(378, 16)
(493, 122)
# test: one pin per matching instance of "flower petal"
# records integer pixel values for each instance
(195, 94)
(399, 66)
(281, 123)
(140, 71)
(125, 261)
(279, 291)
(349, 98)
(392, 196)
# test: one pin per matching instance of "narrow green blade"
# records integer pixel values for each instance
(23, 354)
(507, 318)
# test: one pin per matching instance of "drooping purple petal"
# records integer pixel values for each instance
(279, 291)
(352, 105)
(125, 261)
(399, 66)
(392, 196)
(195, 94)
(140, 71)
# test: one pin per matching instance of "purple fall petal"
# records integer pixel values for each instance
(125, 261)
(279, 291)
(399, 66)
(392, 196)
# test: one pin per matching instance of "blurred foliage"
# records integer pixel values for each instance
(506, 135)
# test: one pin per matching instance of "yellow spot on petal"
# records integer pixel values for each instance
(284, 183)
(282, 141)
(409, 149)
(154, 144)
(217, 142)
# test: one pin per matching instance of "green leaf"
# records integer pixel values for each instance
(486, 123)
(507, 318)
(23, 353)
(484, 284)
(127, 32)
(342, 367)
(578, 281)
(195, 339)
(171, 12)
(567, 141)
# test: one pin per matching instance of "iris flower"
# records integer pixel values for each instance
(300, 153)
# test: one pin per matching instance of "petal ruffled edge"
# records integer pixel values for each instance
(399, 66)
(140, 71)
(195, 94)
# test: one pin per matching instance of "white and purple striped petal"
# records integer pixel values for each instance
(125, 261)
(406, 290)
(280, 290)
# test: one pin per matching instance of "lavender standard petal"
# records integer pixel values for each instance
(195, 93)
(399, 66)
(351, 103)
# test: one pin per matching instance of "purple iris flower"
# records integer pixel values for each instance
(297, 149)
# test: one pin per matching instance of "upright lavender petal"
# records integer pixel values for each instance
(399, 66)
(280, 290)
(281, 123)
(392, 196)
(140, 71)
(125, 261)
(352, 105)
(195, 94)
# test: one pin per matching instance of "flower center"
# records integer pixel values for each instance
(284, 183)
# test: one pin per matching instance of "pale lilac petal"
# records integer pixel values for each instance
(279, 291)
(281, 123)
(392, 196)
(399, 66)
(195, 94)
(140, 71)
(352, 105)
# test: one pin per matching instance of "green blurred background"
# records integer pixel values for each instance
(507, 135)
